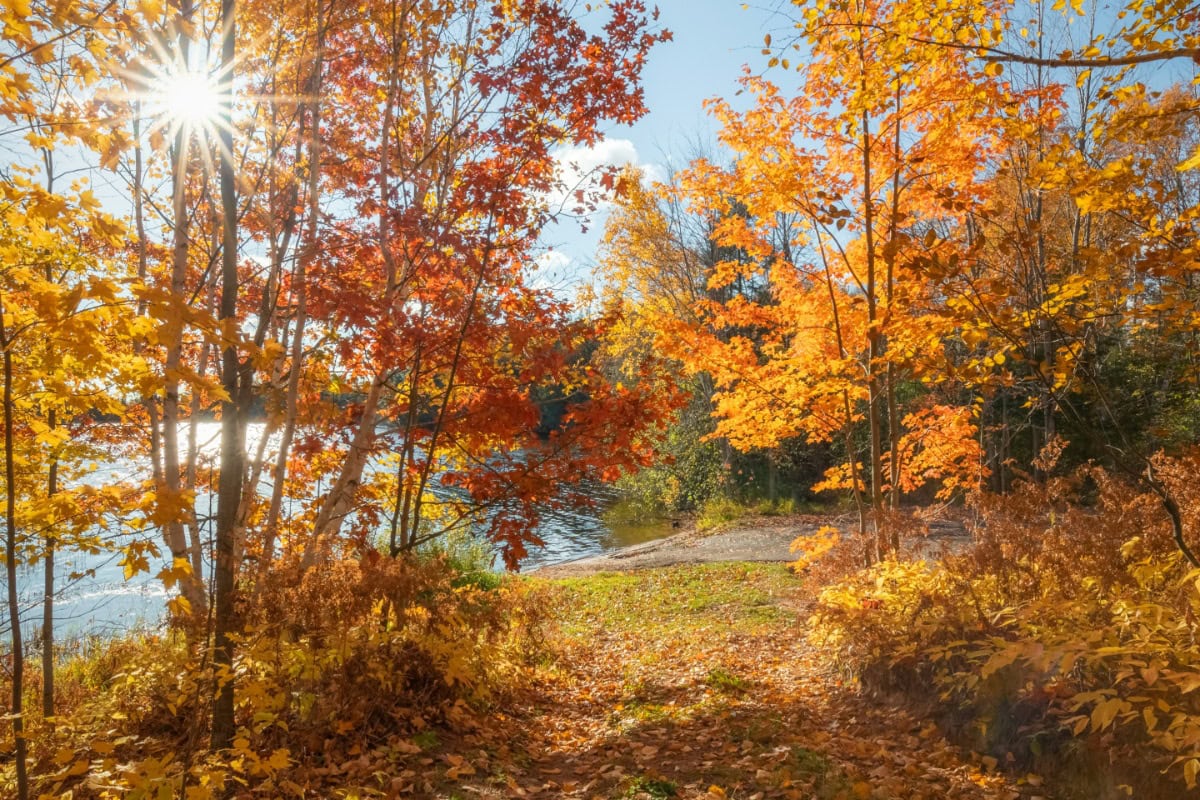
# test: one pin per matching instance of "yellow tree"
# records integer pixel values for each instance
(1078, 300)
(884, 143)
(1073, 304)
(64, 318)
(654, 264)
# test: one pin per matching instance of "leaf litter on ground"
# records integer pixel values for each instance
(629, 707)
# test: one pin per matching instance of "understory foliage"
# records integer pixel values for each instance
(343, 675)
(1065, 637)
(688, 469)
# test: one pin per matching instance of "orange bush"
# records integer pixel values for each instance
(1073, 619)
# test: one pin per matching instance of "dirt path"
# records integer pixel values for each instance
(698, 682)
(766, 539)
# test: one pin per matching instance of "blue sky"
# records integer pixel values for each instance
(713, 39)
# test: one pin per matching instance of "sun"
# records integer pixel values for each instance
(189, 99)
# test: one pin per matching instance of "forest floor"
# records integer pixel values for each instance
(758, 539)
(698, 681)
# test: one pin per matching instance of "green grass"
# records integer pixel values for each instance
(487, 581)
(809, 762)
(636, 713)
(427, 740)
(664, 618)
(721, 511)
(725, 681)
(827, 780)
(699, 597)
(656, 788)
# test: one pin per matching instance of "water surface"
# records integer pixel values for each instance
(94, 598)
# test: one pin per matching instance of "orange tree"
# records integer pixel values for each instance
(654, 265)
(879, 155)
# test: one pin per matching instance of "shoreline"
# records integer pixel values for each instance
(766, 539)
(758, 539)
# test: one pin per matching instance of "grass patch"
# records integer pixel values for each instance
(719, 511)
(809, 763)
(636, 713)
(655, 788)
(819, 773)
(486, 581)
(722, 680)
(694, 598)
(427, 740)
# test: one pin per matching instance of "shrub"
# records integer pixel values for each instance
(352, 665)
(1073, 619)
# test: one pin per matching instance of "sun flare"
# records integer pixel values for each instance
(191, 99)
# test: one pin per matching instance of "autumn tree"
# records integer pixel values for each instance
(420, 291)
(1080, 254)
(355, 269)
(65, 324)
(884, 138)
(654, 268)
(374, 300)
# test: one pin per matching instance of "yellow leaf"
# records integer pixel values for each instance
(1191, 163)
(1104, 713)
(280, 759)
(179, 606)
(180, 569)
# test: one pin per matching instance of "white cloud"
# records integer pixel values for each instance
(551, 270)
(580, 169)
(552, 260)
(565, 265)
(608, 152)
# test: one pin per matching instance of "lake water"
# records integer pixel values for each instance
(94, 598)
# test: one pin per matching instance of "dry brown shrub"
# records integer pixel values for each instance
(854, 550)
(1068, 634)
(332, 662)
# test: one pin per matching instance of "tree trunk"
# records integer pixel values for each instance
(191, 587)
(893, 410)
(299, 279)
(139, 216)
(772, 477)
(51, 490)
(400, 533)
(48, 593)
(10, 564)
(876, 396)
(229, 490)
(340, 499)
